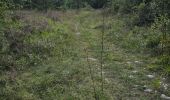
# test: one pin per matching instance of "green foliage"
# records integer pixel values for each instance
(3, 8)
(97, 3)
(41, 57)
(74, 3)
(56, 4)
(145, 14)
(29, 42)
(162, 7)
(146, 11)
(144, 28)
(156, 84)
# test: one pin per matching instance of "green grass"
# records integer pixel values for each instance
(64, 75)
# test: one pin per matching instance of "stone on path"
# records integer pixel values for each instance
(137, 61)
(150, 76)
(165, 86)
(148, 90)
(92, 59)
(135, 71)
(163, 96)
(78, 33)
(129, 62)
(131, 76)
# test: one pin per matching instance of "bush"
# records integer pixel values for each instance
(146, 15)
(97, 3)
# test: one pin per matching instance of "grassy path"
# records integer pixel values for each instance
(69, 78)
(125, 75)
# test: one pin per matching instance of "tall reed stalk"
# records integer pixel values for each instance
(102, 49)
(91, 75)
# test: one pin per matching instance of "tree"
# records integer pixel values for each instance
(97, 3)
(162, 6)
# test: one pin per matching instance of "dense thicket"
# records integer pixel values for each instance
(14, 39)
(146, 10)
(54, 4)
(153, 15)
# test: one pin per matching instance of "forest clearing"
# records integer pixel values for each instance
(82, 54)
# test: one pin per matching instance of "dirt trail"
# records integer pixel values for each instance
(125, 75)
